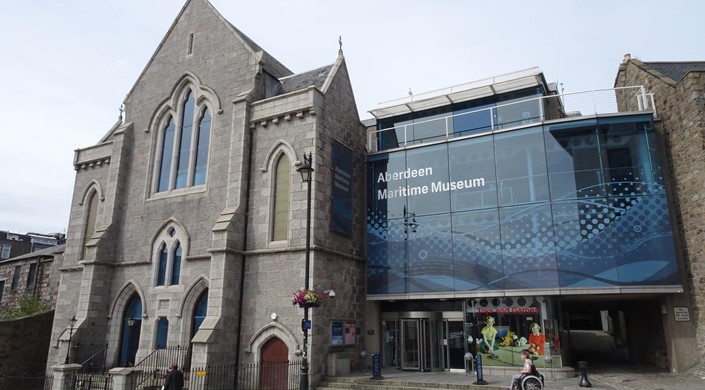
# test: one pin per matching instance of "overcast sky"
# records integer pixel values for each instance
(67, 65)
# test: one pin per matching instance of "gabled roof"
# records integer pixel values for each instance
(46, 252)
(676, 70)
(315, 78)
(274, 67)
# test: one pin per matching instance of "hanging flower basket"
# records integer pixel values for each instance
(307, 298)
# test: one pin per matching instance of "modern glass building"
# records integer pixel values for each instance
(503, 216)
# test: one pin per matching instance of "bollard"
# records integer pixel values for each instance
(584, 381)
(376, 366)
(478, 367)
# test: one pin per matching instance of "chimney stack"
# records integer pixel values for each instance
(627, 57)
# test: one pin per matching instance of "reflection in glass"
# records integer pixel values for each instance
(182, 163)
(477, 249)
(521, 166)
(607, 223)
(428, 194)
(528, 251)
(573, 158)
(473, 120)
(167, 153)
(203, 142)
(472, 160)
(430, 248)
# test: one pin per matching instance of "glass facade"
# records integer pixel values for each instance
(573, 204)
(504, 111)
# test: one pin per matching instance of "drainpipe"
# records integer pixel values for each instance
(244, 256)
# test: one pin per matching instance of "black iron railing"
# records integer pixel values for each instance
(91, 357)
(272, 376)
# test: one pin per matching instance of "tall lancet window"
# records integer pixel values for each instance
(184, 145)
(282, 183)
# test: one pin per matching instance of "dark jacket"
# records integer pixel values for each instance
(174, 380)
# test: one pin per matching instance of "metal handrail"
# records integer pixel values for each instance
(601, 101)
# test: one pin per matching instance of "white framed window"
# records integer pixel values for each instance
(5, 253)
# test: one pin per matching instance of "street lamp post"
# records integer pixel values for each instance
(72, 323)
(306, 171)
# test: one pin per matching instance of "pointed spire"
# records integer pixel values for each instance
(340, 43)
(122, 110)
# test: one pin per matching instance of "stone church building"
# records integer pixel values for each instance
(188, 219)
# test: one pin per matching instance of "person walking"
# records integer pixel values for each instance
(174, 379)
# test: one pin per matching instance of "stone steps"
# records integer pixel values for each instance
(338, 383)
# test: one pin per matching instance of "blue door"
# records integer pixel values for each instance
(131, 325)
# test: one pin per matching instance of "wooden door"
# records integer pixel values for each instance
(274, 373)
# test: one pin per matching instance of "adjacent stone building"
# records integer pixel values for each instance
(678, 90)
(188, 219)
(34, 274)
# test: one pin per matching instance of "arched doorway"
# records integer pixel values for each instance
(199, 312)
(131, 325)
(275, 365)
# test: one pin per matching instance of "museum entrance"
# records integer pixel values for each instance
(416, 338)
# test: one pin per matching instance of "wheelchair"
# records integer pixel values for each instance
(533, 381)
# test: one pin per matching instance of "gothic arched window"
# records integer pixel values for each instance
(280, 215)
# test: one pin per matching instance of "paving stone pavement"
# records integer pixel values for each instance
(602, 378)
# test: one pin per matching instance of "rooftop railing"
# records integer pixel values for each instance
(512, 115)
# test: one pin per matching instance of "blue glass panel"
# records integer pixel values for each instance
(588, 236)
(521, 166)
(387, 263)
(388, 186)
(203, 142)
(573, 158)
(528, 251)
(176, 266)
(472, 163)
(643, 241)
(473, 120)
(182, 164)
(161, 272)
(477, 250)
(167, 153)
(162, 333)
(626, 158)
(430, 248)
(427, 188)
(584, 247)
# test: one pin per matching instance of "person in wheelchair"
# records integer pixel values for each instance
(529, 378)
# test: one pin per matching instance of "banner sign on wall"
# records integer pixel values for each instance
(341, 210)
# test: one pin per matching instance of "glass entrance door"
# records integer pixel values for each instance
(410, 345)
(453, 345)
(421, 340)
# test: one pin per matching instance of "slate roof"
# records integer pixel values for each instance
(51, 251)
(676, 70)
(296, 82)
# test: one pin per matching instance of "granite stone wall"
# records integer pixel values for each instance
(680, 119)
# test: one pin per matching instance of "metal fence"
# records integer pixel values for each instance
(90, 381)
(27, 382)
(264, 376)
(154, 366)
(91, 357)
